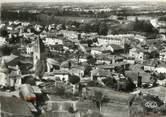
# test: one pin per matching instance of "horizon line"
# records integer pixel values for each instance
(82, 1)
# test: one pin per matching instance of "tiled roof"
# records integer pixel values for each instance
(57, 72)
(107, 57)
(116, 47)
(101, 72)
(112, 65)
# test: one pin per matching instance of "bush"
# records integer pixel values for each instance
(110, 82)
(143, 26)
(73, 79)
(126, 85)
(94, 84)
(161, 76)
(60, 91)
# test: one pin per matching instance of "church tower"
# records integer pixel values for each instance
(36, 52)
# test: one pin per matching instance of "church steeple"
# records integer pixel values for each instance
(36, 52)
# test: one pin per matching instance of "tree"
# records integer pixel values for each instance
(110, 82)
(120, 70)
(63, 26)
(161, 76)
(125, 84)
(60, 91)
(103, 29)
(3, 32)
(143, 26)
(153, 79)
(99, 98)
(90, 42)
(126, 48)
(5, 50)
(95, 26)
(83, 28)
(91, 60)
(14, 39)
(87, 71)
(154, 54)
(73, 79)
(78, 55)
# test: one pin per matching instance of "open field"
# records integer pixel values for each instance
(77, 19)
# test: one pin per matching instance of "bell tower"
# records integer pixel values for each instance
(36, 52)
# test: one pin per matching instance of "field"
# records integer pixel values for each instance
(77, 19)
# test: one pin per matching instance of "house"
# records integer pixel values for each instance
(2, 25)
(69, 34)
(102, 59)
(89, 35)
(136, 53)
(128, 59)
(140, 38)
(160, 69)
(106, 49)
(14, 107)
(82, 59)
(56, 48)
(162, 55)
(162, 30)
(28, 35)
(108, 59)
(53, 41)
(114, 66)
(52, 64)
(109, 48)
(10, 28)
(2, 41)
(38, 27)
(66, 65)
(115, 48)
(150, 65)
(25, 23)
(51, 26)
(105, 40)
(78, 71)
(61, 75)
(50, 34)
(96, 51)
(97, 74)
(114, 39)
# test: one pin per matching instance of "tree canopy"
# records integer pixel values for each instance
(73, 79)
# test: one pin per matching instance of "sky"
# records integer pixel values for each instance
(9, 1)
